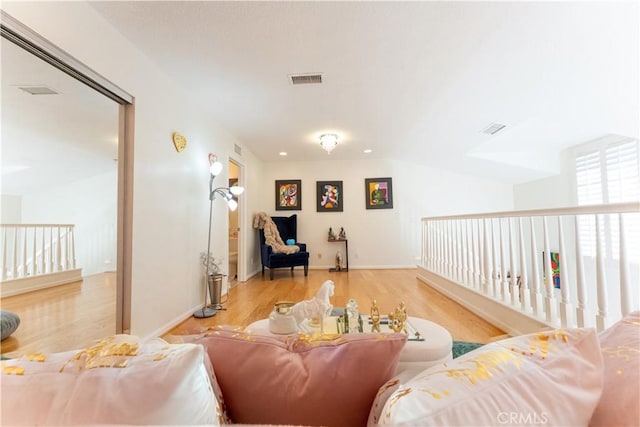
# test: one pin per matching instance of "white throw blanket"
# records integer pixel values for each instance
(271, 234)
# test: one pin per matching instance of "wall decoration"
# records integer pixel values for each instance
(179, 141)
(329, 196)
(555, 268)
(288, 195)
(378, 193)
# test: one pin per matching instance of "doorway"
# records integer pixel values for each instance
(234, 228)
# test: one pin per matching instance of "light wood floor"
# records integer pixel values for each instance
(64, 317)
(254, 300)
(75, 315)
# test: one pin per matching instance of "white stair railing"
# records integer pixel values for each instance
(574, 285)
(35, 249)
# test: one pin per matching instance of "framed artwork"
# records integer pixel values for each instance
(329, 196)
(555, 268)
(378, 193)
(288, 195)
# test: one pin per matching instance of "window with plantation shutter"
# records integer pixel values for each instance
(609, 175)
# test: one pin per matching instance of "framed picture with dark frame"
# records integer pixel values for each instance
(288, 195)
(378, 193)
(329, 196)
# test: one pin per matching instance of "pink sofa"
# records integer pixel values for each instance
(562, 377)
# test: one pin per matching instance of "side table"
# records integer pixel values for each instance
(346, 254)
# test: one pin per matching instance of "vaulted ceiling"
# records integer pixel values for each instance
(415, 81)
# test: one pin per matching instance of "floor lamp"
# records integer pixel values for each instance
(227, 193)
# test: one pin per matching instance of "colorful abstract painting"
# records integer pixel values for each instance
(329, 197)
(288, 195)
(378, 193)
(555, 268)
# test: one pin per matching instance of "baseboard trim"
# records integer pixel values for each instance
(23, 285)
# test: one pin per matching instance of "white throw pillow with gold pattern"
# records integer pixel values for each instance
(548, 378)
(117, 381)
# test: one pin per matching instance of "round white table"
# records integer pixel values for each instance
(416, 356)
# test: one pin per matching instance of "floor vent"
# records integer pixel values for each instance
(305, 79)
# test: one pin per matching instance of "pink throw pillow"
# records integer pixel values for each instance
(297, 380)
(620, 346)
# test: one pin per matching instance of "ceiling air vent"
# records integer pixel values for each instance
(38, 90)
(305, 79)
(494, 128)
(237, 149)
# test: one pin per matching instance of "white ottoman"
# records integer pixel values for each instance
(416, 356)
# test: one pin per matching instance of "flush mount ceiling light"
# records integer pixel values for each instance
(328, 142)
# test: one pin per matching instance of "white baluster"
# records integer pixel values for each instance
(625, 290)
(582, 314)
(34, 257)
(476, 253)
(43, 264)
(566, 309)
(4, 253)
(513, 285)
(601, 280)
(459, 250)
(494, 257)
(450, 250)
(59, 252)
(536, 296)
(549, 300)
(14, 269)
(440, 257)
(503, 280)
(50, 250)
(487, 261)
(525, 303)
(23, 262)
(465, 253)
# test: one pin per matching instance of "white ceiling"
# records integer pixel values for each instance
(411, 80)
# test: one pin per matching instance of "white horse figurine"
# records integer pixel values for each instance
(318, 307)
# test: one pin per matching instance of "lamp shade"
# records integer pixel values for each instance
(236, 190)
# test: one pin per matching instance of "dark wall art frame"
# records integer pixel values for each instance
(378, 193)
(329, 196)
(288, 195)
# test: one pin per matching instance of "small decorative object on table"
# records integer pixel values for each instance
(375, 317)
(353, 317)
(398, 318)
(331, 234)
(315, 310)
(342, 235)
(281, 320)
(338, 261)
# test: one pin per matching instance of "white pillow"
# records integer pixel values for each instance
(118, 381)
(547, 378)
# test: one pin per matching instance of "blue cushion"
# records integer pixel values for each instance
(9, 322)
(291, 242)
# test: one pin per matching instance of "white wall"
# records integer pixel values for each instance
(556, 191)
(384, 237)
(90, 204)
(11, 209)
(170, 189)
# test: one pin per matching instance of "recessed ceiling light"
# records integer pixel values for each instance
(367, 151)
(283, 153)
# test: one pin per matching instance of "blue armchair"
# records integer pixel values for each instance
(287, 227)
